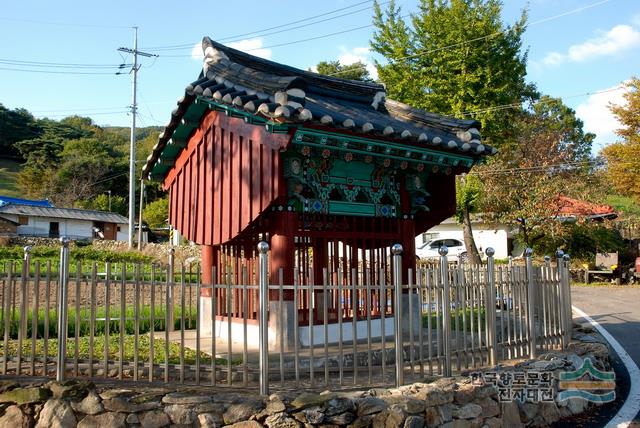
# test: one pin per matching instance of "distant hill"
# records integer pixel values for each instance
(141, 133)
(8, 175)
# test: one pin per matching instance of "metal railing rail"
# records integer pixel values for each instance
(152, 323)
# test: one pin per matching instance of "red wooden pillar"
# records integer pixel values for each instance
(283, 252)
(208, 259)
(320, 260)
(408, 242)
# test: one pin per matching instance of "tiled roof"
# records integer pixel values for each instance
(288, 95)
(68, 213)
(9, 200)
(575, 207)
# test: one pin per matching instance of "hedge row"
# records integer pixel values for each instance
(76, 253)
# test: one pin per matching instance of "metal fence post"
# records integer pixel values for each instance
(396, 250)
(562, 297)
(62, 308)
(170, 283)
(22, 327)
(263, 325)
(531, 303)
(491, 307)
(567, 299)
(446, 309)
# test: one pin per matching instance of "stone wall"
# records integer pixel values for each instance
(448, 402)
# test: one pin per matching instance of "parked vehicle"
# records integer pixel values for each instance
(429, 250)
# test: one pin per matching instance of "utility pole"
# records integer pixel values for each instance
(132, 147)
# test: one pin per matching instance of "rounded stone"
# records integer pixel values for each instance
(183, 398)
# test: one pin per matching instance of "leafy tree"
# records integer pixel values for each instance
(548, 157)
(102, 201)
(468, 190)
(155, 214)
(583, 240)
(356, 71)
(623, 158)
(16, 125)
(454, 57)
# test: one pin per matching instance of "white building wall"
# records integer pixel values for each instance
(497, 238)
(74, 228)
(122, 235)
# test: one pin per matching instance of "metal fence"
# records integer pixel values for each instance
(160, 323)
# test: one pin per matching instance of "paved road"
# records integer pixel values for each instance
(617, 309)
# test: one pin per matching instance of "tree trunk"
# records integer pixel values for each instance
(469, 242)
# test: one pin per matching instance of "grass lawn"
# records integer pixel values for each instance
(457, 316)
(8, 175)
(144, 321)
(144, 345)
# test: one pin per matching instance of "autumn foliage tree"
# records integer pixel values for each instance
(549, 156)
(623, 157)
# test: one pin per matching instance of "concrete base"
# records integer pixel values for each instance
(282, 328)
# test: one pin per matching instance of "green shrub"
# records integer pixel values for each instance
(582, 241)
(84, 253)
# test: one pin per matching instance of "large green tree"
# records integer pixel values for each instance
(455, 57)
(356, 71)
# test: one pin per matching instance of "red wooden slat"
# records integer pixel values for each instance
(236, 195)
(208, 187)
(255, 178)
(180, 198)
(217, 184)
(245, 188)
(200, 218)
(226, 205)
(267, 176)
(188, 196)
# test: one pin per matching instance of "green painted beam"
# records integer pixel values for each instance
(343, 142)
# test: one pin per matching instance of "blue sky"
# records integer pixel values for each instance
(579, 50)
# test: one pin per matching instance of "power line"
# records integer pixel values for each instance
(519, 104)
(92, 114)
(58, 64)
(540, 21)
(64, 24)
(257, 32)
(73, 110)
(23, 70)
(292, 42)
(284, 30)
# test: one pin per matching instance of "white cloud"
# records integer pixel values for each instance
(350, 56)
(253, 47)
(597, 117)
(196, 52)
(620, 38)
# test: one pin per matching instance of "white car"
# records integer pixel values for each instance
(429, 250)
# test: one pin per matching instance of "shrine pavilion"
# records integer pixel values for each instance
(328, 171)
